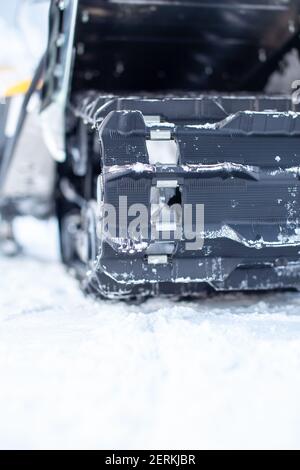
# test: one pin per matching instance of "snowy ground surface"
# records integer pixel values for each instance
(222, 372)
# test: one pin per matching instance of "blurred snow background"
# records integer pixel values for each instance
(221, 372)
(23, 28)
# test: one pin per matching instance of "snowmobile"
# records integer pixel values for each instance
(160, 111)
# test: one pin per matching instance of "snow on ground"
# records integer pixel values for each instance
(223, 372)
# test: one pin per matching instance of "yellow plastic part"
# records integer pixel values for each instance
(19, 88)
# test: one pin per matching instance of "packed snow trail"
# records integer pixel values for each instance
(222, 372)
